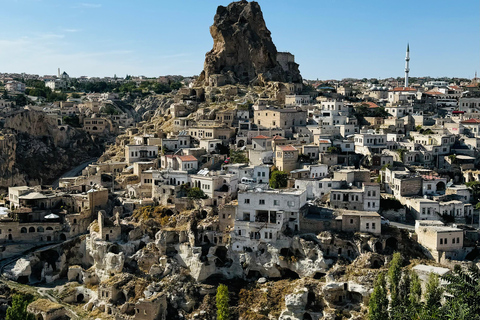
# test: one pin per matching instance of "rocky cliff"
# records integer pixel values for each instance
(243, 50)
(36, 150)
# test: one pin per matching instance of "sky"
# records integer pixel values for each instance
(331, 39)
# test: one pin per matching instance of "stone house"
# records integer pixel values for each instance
(360, 221)
(443, 242)
(472, 126)
(135, 153)
(175, 143)
(263, 214)
(152, 308)
(212, 131)
(317, 188)
(226, 116)
(286, 157)
(97, 126)
(210, 145)
(182, 163)
(280, 118)
(367, 198)
(108, 230)
(261, 150)
(47, 310)
(370, 143)
(215, 184)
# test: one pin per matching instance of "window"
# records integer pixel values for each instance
(247, 201)
(441, 241)
(329, 185)
(261, 201)
(368, 226)
(458, 240)
(276, 202)
(453, 241)
(446, 240)
(373, 225)
(351, 221)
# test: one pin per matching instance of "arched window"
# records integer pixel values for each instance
(31, 229)
(23, 230)
(40, 229)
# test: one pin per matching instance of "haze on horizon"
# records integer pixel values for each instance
(330, 39)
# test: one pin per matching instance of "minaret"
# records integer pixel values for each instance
(407, 69)
(59, 72)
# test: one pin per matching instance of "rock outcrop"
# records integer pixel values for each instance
(35, 149)
(243, 50)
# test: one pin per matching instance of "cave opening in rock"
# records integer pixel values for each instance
(391, 245)
(319, 275)
(80, 298)
(289, 274)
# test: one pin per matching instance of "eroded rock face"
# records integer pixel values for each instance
(243, 50)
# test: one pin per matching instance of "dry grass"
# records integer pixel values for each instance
(264, 301)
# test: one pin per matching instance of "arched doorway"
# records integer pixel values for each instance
(63, 237)
(378, 247)
(441, 186)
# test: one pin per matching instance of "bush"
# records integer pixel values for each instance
(278, 179)
(196, 193)
(18, 310)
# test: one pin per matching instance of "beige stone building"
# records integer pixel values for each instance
(443, 242)
(280, 118)
(286, 158)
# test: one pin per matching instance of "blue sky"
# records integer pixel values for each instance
(331, 39)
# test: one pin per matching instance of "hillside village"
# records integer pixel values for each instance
(259, 177)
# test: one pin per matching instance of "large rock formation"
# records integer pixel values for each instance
(243, 50)
(34, 149)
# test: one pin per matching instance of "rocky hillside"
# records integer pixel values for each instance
(38, 151)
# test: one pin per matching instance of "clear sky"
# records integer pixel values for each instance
(331, 39)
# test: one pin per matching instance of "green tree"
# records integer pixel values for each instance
(463, 286)
(72, 120)
(394, 276)
(415, 291)
(378, 304)
(238, 156)
(278, 179)
(433, 294)
(18, 310)
(404, 289)
(196, 193)
(223, 300)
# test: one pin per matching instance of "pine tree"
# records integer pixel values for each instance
(404, 288)
(433, 295)
(394, 276)
(223, 299)
(378, 304)
(415, 291)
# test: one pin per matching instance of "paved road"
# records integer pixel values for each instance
(73, 172)
(402, 225)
